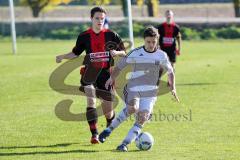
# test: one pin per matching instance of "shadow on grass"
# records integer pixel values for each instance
(40, 146)
(114, 150)
(195, 84)
(47, 152)
(137, 150)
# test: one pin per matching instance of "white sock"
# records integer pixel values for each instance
(132, 134)
(123, 115)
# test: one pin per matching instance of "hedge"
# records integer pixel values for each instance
(231, 32)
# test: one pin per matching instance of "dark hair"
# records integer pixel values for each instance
(169, 11)
(97, 9)
(150, 32)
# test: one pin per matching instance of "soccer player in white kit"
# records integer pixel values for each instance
(140, 93)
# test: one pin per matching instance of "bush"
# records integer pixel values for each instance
(61, 34)
(229, 33)
(138, 29)
(189, 34)
(208, 34)
(121, 28)
(65, 33)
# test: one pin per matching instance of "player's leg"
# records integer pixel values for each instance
(108, 111)
(171, 53)
(91, 113)
(131, 136)
(142, 117)
(122, 116)
(145, 109)
(131, 106)
(172, 58)
(88, 86)
(107, 96)
(173, 65)
(131, 100)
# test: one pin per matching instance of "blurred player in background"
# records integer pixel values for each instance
(106, 23)
(170, 33)
(97, 63)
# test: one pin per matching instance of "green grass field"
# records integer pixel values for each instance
(207, 83)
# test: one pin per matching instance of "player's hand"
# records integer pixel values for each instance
(178, 52)
(109, 83)
(174, 93)
(113, 53)
(59, 59)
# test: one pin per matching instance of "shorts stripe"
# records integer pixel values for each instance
(125, 93)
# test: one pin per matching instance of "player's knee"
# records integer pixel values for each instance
(132, 109)
(107, 109)
(91, 102)
(89, 91)
(107, 104)
(109, 114)
(142, 117)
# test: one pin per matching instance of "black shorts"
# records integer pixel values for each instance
(171, 54)
(98, 82)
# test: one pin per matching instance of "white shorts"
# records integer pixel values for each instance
(146, 104)
(143, 101)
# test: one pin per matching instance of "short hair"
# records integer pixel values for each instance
(150, 32)
(170, 12)
(97, 9)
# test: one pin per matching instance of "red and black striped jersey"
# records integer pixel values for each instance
(97, 47)
(168, 34)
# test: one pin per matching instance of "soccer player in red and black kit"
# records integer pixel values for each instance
(100, 45)
(170, 32)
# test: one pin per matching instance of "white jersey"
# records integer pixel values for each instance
(147, 68)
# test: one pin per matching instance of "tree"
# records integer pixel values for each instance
(237, 7)
(38, 5)
(99, 2)
(124, 8)
(152, 6)
(105, 2)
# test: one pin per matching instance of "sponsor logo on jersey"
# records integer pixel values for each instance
(167, 40)
(100, 60)
(99, 55)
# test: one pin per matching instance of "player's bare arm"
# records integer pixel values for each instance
(117, 53)
(179, 39)
(171, 80)
(116, 71)
(69, 55)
